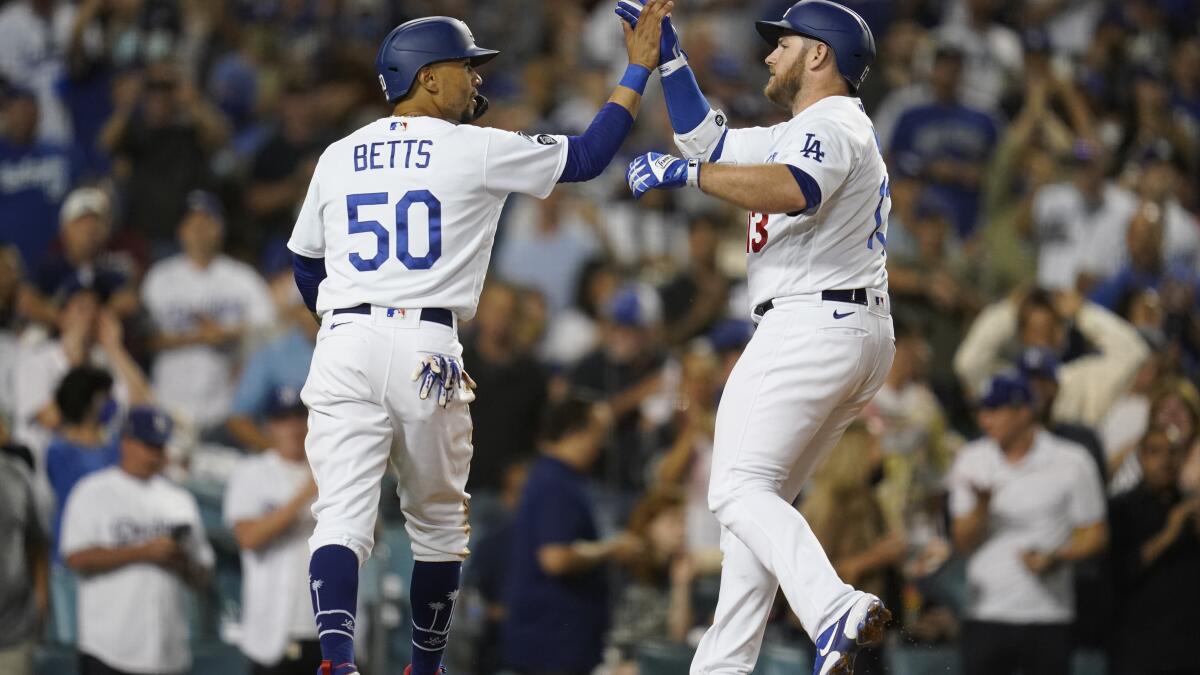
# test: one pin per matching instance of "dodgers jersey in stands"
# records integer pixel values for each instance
(404, 210)
(840, 243)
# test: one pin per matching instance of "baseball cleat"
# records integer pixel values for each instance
(327, 668)
(861, 626)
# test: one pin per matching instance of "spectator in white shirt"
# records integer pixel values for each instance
(268, 506)
(1026, 507)
(203, 305)
(137, 541)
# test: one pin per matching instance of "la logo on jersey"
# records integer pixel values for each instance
(812, 148)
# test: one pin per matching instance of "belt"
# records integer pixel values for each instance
(857, 296)
(434, 314)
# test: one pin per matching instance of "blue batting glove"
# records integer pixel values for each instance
(668, 47)
(654, 170)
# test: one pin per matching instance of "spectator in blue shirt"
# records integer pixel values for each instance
(1147, 267)
(281, 363)
(556, 594)
(946, 142)
(34, 177)
(83, 444)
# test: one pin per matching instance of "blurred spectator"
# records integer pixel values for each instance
(135, 539)
(1027, 506)
(11, 292)
(1156, 551)
(1069, 219)
(85, 225)
(1089, 384)
(1040, 367)
(841, 504)
(284, 165)
(687, 464)
(487, 568)
(267, 505)
(1126, 423)
(507, 410)
(992, 52)
(626, 371)
(30, 34)
(87, 335)
(1154, 128)
(656, 604)
(556, 594)
(82, 444)
(24, 579)
(203, 305)
(544, 246)
(162, 135)
(575, 332)
(1175, 411)
(947, 142)
(696, 298)
(280, 363)
(34, 175)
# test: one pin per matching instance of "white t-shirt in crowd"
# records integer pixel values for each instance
(1036, 504)
(275, 603)
(196, 382)
(1076, 236)
(133, 618)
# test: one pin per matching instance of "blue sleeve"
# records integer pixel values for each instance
(309, 273)
(808, 185)
(253, 387)
(686, 105)
(588, 155)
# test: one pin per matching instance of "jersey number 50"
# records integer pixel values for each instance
(381, 234)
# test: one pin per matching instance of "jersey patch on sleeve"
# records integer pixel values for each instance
(812, 148)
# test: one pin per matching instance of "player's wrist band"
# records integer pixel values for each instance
(693, 173)
(675, 64)
(635, 78)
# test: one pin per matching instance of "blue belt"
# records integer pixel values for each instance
(857, 296)
(434, 314)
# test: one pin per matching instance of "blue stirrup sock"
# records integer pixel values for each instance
(333, 585)
(433, 593)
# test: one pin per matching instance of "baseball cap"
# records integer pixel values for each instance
(1039, 362)
(149, 425)
(636, 306)
(285, 402)
(1009, 388)
(84, 201)
(205, 202)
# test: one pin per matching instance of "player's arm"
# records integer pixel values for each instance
(591, 152)
(700, 130)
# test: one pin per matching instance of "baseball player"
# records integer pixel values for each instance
(817, 191)
(391, 246)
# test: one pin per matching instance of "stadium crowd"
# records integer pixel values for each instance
(1024, 491)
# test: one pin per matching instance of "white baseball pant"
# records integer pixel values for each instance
(364, 412)
(809, 369)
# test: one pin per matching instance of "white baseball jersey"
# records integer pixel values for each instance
(840, 244)
(133, 618)
(275, 605)
(404, 210)
(196, 381)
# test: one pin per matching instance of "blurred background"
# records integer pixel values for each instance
(1045, 165)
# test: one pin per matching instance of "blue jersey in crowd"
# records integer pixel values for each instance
(280, 364)
(33, 181)
(553, 623)
(68, 463)
(928, 133)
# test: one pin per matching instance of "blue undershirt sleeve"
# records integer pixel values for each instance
(309, 273)
(812, 191)
(590, 153)
(686, 105)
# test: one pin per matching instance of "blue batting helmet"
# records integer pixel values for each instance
(415, 44)
(838, 26)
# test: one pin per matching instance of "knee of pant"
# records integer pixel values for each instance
(736, 488)
(443, 542)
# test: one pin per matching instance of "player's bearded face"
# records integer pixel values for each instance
(787, 77)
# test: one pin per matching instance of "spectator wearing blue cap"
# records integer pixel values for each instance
(34, 177)
(280, 363)
(203, 305)
(137, 542)
(1026, 507)
(267, 505)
